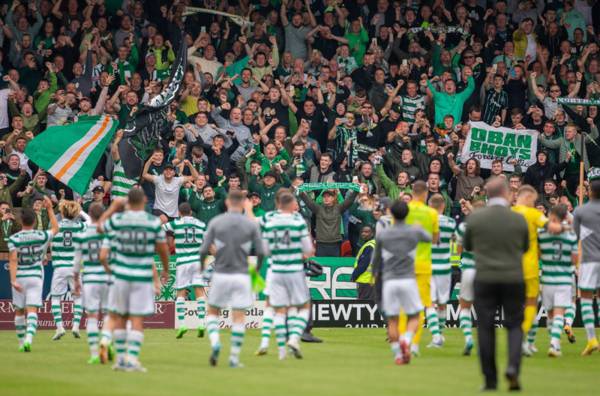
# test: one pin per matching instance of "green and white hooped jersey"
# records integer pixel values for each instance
(88, 244)
(107, 243)
(63, 248)
(121, 184)
(440, 252)
(286, 235)
(555, 258)
(467, 260)
(189, 233)
(134, 235)
(31, 247)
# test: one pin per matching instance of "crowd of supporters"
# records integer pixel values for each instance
(378, 93)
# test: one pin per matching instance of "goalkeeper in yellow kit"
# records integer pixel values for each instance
(525, 205)
(426, 217)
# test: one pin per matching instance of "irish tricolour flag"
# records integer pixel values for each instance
(72, 152)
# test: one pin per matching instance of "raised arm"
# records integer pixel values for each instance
(348, 201)
(453, 166)
(390, 100)
(333, 131)
(386, 182)
(114, 148)
(51, 216)
(573, 93)
(193, 171)
(311, 16)
(534, 87)
(310, 203)
(145, 175)
(283, 13)
(286, 99)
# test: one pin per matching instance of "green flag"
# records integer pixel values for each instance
(71, 152)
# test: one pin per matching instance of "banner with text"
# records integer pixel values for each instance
(487, 143)
(163, 317)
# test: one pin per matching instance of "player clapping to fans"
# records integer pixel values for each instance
(27, 253)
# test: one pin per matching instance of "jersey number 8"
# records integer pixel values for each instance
(67, 239)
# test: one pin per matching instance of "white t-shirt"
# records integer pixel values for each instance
(531, 49)
(4, 108)
(166, 196)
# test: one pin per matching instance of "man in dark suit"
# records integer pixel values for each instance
(498, 238)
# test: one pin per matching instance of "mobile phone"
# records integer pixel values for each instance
(343, 119)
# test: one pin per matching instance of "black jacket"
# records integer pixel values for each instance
(537, 173)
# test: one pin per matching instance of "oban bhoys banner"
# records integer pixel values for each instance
(487, 143)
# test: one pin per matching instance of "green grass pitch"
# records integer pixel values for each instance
(349, 362)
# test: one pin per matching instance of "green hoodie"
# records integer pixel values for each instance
(450, 104)
(392, 189)
(41, 100)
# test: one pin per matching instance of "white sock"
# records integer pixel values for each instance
(92, 333)
(120, 337)
(77, 312)
(57, 312)
(280, 331)
(106, 338)
(21, 328)
(433, 323)
(300, 321)
(180, 310)
(31, 326)
(212, 326)
(135, 338)
(587, 316)
(395, 346)
(407, 337)
(237, 339)
(267, 324)
(556, 330)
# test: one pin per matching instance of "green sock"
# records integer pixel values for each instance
(180, 310)
(432, 321)
(532, 332)
(201, 311)
(442, 318)
(557, 327)
(56, 312)
(77, 311)
(570, 315)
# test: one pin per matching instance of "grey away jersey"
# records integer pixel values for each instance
(586, 223)
(395, 249)
(233, 235)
